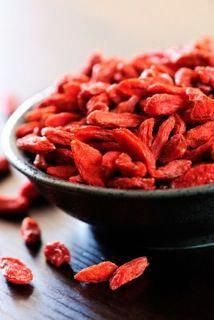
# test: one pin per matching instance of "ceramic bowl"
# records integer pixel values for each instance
(160, 216)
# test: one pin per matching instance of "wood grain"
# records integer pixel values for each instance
(177, 286)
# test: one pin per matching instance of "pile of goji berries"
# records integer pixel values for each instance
(147, 123)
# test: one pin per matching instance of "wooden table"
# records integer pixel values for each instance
(40, 40)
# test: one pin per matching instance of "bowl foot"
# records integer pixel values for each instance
(136, 240)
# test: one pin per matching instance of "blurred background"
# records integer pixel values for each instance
(41, 39)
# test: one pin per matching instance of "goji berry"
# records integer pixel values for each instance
(201, 152)
(114, 120)
(95, 58)
(98, 102)
(205, 75)
(88, 162)
(127, 106)
(146, 131)
(163, 88)
(100, 272)
(29, 191)
(172, 170)
(61, 101)
(93, 133)
(27, 128)
(30, 231)
(63, 172)
(128, 272)
(63, 156)
(180, 126)
(200, 134)
(163, 104)
(13, 205)
(133, 87)
(174, 149)
(57, 254)
(109, 163)
(196, 176)
(38, 114)
(15, 271)
(184, 77)
(105, 70)
(35, 144)
(58, 135)
(128, 168)
(60, 119)
(162, 136)
(135, 147)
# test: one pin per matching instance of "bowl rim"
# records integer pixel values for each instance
(21, 163)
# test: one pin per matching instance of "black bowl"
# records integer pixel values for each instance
(161, 218)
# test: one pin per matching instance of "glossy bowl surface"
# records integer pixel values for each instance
(160, 216)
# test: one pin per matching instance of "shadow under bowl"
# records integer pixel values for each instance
(160, 218)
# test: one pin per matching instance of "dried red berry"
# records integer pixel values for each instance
(97, 273)
(27, 128)
(35, 144)
(30, 231)
(57, 253)
(128, 168)
(58, 135)
(15, 271)
(88, 162)
(200, 134)
(13, 205)
(196, 176)
(62, 172)
(128, 272)
(39, 114)
(60, 119)
(146, 131)
(114, 120)
(135, 147)
(174, 149)
(109, 163)
(163, 104)
(162, 136)
(29, 191)
(172, 170)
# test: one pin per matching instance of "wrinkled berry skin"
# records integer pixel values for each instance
(30, 231)
(128, 272)
(57, 254)
(97, 273)
(15, 271)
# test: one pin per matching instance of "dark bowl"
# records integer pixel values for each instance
(161, 218)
